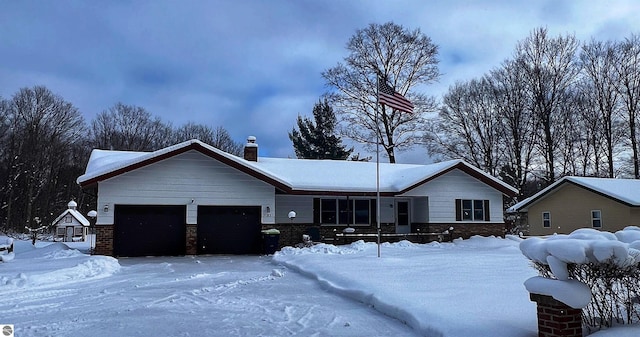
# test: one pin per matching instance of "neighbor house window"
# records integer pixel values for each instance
(546, 219)
(596, 219)
(472, 210)
(345, 211)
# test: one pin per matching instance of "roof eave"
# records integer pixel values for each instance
(197, 146)
(545, 192)
(461, 165)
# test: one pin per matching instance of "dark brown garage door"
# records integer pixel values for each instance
(229, 230)
(142, 230)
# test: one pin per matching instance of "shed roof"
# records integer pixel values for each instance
(74, 213)
(294, 175)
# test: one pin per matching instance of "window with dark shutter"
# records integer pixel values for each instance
(472, 210)
(374, 212)
(487, 217)
(316, 211)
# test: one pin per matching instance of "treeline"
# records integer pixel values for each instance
(45, 144)
(557, 107)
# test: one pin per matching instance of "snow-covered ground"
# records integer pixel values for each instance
(465, 288)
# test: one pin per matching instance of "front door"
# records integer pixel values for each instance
(403, 224)
(69, 234)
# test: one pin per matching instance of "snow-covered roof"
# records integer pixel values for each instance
(74, 213)
(294, 175)
(626, 191)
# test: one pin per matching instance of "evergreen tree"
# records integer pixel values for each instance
(318, 140)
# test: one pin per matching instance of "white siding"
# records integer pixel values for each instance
(444, 190)
(301, 204)
(387, 210)
(420, 210)
(179, 180)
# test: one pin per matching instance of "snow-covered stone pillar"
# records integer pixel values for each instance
(561, 299)
(556, 318)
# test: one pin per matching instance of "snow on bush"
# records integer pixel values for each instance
(608, 263)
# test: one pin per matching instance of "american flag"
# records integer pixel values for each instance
(393, 99)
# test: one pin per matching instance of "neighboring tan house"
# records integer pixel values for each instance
(579, 202)
(71, 225)
(192, 198)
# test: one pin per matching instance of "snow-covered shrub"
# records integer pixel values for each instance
(608, 263)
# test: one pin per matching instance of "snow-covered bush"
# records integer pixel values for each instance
(608, 263)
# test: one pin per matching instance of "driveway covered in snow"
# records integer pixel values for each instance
(53, 291)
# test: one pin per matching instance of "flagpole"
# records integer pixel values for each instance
(378, 162)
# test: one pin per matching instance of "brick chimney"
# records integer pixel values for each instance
(251, 149)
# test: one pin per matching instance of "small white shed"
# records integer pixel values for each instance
(71, 225)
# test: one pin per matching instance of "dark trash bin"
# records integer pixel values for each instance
(270, 239)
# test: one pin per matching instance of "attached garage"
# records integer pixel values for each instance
(229, 229)
(143, 230)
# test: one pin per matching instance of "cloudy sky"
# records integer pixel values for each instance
(253, 65)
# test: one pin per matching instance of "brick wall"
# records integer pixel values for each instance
(192, 239)
(104, 240)
(557, 319)
(291, 234)
(467, 230)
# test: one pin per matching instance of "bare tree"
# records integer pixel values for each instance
(42, 131)
(193, 131)
(576, 154)
(127, 127)
(466, 127)
(602, 112)
(407, 59)
(550, 70)
(218, 137)
(516, 124)
(628, 86)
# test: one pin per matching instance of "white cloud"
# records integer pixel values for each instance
(253, 66)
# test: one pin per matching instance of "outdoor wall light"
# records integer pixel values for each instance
(268, 211)
(106, 208)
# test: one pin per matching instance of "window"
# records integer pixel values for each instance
(345, 211)
(67, 218)
(546, 219)
(60, 231)
(328, 210)
(78, 231)
(361, 212)
(472, 210)
(596, 219)
(467, 210)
